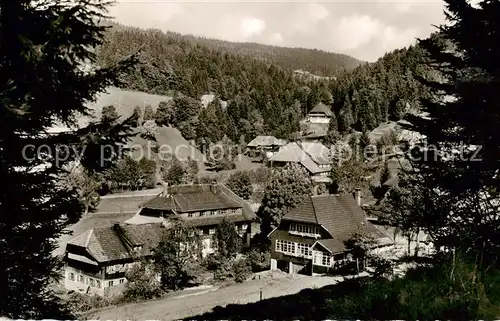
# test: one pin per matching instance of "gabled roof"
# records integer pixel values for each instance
(295, 153)
(321, 108)
(339, 215)
(117, 242)
(194, 198)
(318, 152)
(266, 141)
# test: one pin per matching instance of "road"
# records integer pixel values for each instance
(186, 306)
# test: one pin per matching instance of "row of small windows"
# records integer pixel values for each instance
(289, 247)
(94, 283)
(215, 212)
(300, 249)
(239, 228)
(304, 229)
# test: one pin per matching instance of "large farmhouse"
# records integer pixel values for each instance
(201, 206)
(320, 114)
(264, 146)
(96, 261)
(314, 157)
(311, 237)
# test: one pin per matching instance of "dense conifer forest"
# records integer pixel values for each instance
(264, 94)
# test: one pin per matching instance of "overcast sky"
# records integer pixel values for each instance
(364, 29)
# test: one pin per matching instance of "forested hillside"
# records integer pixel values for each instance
(258, 82)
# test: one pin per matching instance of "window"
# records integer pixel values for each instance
(72, 276)
(213, 212)
(92, 282)
(202, 213)
(98, 284)
(304, 250)
(303, 229)
(80, 278)
(190, 214)
(322, 258)
(211, 231)
(122, 281)
(325, 260)
(110, 283)
(285, 246)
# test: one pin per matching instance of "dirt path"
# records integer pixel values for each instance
(183, 307)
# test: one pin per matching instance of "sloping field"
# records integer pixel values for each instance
(172, 139)
(125, 101)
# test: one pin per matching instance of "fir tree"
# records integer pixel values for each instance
(109, 114)
(345, 119)
(165, 113)
(137, 115)
(149, 113)
(43, 49)
(459, 191)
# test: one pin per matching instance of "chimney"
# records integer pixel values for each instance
(357, 196)
(213, 188)
(116, 227)
(165, 190)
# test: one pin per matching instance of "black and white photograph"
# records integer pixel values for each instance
(249, 160)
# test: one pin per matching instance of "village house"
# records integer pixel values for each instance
(314, 157)
(311, 237)
(203, 207)
(264, 146)
(96, 260)
(320, 114)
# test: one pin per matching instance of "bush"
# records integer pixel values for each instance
(258, 260)
(79, 302)
(240, 184)
(224, 270)
(241, 270)
(142, 284)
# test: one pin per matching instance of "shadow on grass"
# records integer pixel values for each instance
(309, 304)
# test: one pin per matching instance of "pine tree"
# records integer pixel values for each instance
(43, 49)
(345, 119)
(149, 113)
(165, 113)
(109, 114)
(459, 191)
(364, 140)
(137, 115)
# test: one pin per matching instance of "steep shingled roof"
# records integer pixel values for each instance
(194, 198)
(339, 215)
(301, 153)
(321, 108)
(111, 243)
(266, 141)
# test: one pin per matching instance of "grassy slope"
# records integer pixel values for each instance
(125, 101)
(282, 296)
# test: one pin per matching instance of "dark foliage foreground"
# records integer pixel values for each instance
(451, 289)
